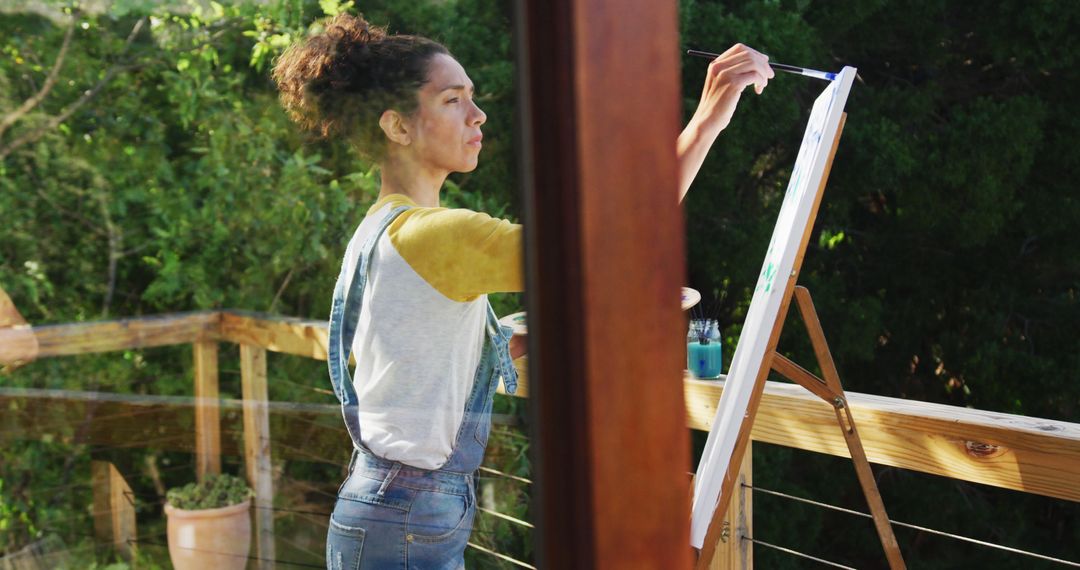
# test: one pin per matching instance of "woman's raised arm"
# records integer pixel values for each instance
(728, 75)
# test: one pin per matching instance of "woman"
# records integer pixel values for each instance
(411, 297)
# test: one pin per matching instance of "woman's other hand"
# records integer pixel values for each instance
(518, 346)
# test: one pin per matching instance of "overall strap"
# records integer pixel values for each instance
(500, 339)
(344, 315)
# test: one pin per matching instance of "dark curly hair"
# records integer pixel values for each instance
(339, 81)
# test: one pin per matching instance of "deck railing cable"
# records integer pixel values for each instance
(505, 475)
(52, 522)
(513, 520)
(917, 527)
(300, 547)
(56, 489)
(150, 541)
(249, 557)
(513, 561)
(154, 499)
(797, 553)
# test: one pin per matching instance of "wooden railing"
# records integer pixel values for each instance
(255, 335)
(1020, 453)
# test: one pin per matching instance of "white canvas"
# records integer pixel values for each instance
(779, 262)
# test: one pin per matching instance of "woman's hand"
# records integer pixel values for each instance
(728, 75)
(518, 346)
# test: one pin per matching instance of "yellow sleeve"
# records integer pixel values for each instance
(461, 253)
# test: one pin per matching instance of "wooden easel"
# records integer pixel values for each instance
(829, 390)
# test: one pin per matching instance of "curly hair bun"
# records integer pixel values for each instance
(339, 80)
(348, 29)
(309, 67)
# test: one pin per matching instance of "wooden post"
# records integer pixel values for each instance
(114, 508)
(18, 345)
(735, 551)
(257, 449)
(604, 262)
(207, 406)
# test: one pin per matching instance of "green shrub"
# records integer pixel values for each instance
(215, 492)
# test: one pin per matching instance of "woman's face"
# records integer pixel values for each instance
(445, 129)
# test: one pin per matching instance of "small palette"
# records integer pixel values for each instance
(517, 322)
(690, 297)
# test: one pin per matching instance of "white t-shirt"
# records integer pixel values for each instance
(422, 325)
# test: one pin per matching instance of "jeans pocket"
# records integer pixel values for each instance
(344, 545)
(437, 517)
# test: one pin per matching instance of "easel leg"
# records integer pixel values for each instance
(847, 424)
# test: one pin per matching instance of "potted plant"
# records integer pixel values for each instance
(209, 524)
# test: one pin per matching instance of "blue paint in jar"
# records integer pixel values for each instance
(704, 359)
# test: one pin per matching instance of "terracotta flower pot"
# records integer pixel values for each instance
(209, 538)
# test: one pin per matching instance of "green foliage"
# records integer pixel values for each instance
(955, 277)
(14, 513)
(181, 185)
(214, 492)
(942, 262)
(38, 486)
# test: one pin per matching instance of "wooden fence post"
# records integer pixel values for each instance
(735, 551)
(257, 448)
(207, 410)
(114, 508)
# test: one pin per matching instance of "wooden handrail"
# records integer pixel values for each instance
(1026, 454)
(302, 337)
(123, 334)
(1021, 453)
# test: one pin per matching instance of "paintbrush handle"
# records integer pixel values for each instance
(777, 66)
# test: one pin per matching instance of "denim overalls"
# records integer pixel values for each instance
(390, 515)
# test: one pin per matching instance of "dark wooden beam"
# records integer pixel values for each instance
(600, 107)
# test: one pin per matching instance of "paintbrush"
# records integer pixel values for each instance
(777, 66)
